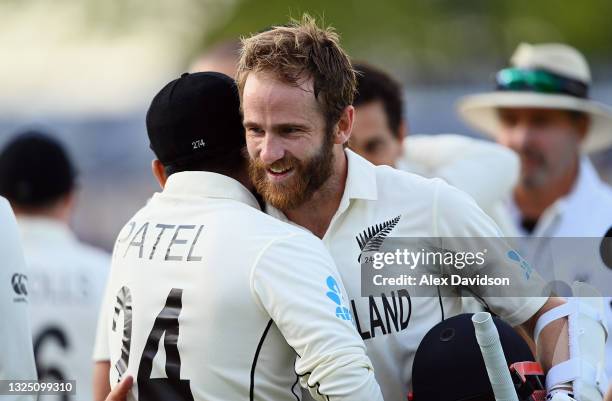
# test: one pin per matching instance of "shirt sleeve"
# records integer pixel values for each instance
(296, 282)
(484, 170)
(462, 226)
(17, 356)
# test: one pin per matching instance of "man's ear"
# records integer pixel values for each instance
(345, 126)
(583, 124)
(159, 172)
(402, 131)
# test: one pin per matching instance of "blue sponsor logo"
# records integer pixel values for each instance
(335, 295)
(517, 258)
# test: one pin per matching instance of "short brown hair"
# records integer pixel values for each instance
(373, 84)
(302, 49)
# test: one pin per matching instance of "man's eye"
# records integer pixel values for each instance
(509, 121)
(255, 130)
(541, 121)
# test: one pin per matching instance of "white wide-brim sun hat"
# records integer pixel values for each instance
(480, 110)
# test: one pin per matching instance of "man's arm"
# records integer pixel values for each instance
(101, 380)
(101, 354)
(554, 341)
(608, 396)
(296, 282)
(571, 339)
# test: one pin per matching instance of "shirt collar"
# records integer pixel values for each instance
(586, 186)
(360, 179)
(208, 185)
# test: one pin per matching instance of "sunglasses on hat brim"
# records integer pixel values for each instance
(519, 79)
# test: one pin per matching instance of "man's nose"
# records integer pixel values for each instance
(520, 137)
(272, 149)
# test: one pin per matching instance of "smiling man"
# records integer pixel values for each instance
(297, 87)
(541, 110)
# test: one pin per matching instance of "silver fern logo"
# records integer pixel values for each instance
(371, 239)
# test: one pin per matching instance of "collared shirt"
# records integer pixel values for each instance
(16, 358)
(234, 295)
(484, 170)
(393, 324)
(67, 280)
(585, 214)
(586, 211)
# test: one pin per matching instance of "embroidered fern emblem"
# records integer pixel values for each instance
(372, 238)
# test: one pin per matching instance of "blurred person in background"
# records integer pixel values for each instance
(66, 277)
(485, 170)
(541, 110)
(17, 356)
(222, 57)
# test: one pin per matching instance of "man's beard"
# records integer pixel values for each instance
(539, 175)
(307, 177)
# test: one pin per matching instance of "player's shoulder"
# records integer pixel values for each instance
(263, 224)
(10, 242)
(285, 244)
(394, 184)
(229, 218)
(421, 202)
(388, 182)
(6, 213)
(9, 230)
(400, 187)
(389, 189)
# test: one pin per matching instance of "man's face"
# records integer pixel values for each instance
(289, 147)
(547, 141)
(372, 137)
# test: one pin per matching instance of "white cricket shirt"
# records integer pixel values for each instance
(374, 195)
(485, 170)
(67, 280)
(211, 299)
(16, 357)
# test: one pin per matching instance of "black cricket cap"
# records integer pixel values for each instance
(35, 170)
(196, 118)
(448, 365)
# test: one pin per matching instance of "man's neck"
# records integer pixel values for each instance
(316, 214)
(532, 202)
(59, 213)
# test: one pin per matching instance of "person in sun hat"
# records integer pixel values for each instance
(542, 110)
